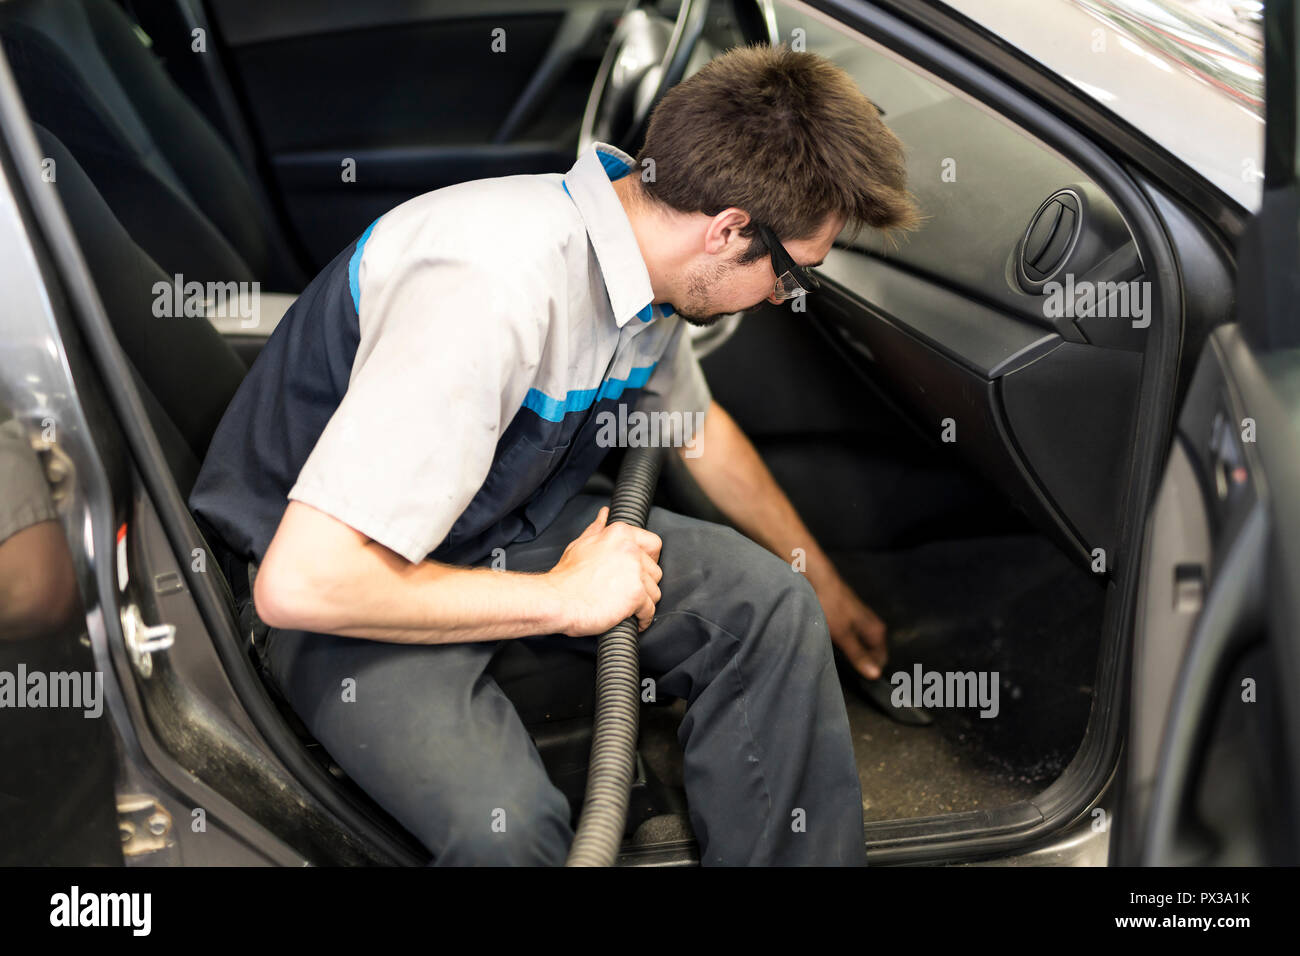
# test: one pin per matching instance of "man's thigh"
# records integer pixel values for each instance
(712, 575)
(429, 735)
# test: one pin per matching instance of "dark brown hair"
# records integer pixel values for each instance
(787, 137)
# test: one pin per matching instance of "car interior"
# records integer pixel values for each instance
(962, 456)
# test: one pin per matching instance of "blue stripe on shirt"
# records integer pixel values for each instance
(554, 409)
(354, 267)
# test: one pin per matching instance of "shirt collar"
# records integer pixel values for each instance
(590, 184)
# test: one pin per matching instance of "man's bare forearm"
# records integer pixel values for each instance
(320, 575)
(730, 471)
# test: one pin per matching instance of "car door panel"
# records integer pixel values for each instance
(1216, 627)
(1212, 773)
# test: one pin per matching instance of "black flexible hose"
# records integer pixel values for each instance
(618, 691)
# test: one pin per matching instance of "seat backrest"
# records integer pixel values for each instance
(187, 371)
(167, 175)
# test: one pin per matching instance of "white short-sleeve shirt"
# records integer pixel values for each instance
(451, 379)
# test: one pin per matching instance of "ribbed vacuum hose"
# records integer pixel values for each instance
(618, 691)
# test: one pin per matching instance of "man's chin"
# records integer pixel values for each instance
(701, 320)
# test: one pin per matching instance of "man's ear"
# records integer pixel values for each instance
(725, 228)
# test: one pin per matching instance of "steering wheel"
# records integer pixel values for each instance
(646, 57)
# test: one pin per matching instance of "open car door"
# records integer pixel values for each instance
(1212, 766)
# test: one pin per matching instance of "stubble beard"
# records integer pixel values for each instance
(701, 284)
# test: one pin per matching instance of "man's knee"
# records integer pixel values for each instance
(513, 820)
(724, 591)
(729, 568)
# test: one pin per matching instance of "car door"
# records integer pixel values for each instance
(354, 108)
(1213, 747)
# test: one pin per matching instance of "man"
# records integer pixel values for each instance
(433, 399)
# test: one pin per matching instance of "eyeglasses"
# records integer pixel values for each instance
(792, 280)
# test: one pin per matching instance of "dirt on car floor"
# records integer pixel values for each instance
(1013, 605)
